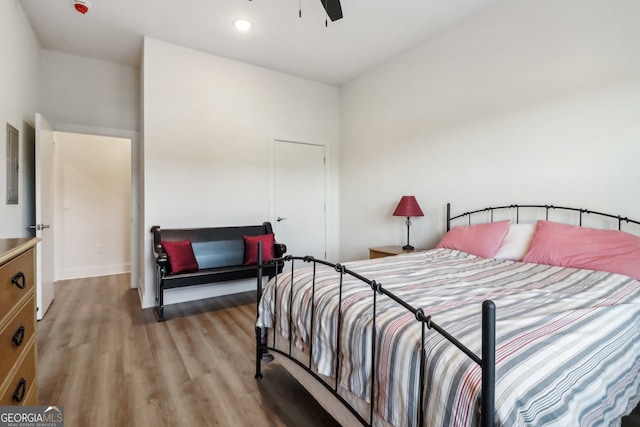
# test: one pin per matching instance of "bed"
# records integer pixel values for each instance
(506, 322)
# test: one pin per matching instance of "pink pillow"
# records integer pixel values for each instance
(479, 239)
(251, 248)
(580, 247)
(181, 256)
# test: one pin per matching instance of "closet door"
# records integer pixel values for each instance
(299, 197)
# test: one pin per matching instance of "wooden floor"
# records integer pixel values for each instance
(109, 363)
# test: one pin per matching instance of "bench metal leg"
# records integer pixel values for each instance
(158, 310)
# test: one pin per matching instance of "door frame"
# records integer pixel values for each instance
(137, 204)
(330, 188)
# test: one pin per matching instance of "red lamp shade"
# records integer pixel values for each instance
(408, 206)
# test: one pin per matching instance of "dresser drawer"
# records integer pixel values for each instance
(22, 382)
(16, 282)
(16, 335)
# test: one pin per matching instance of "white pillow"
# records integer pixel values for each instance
(516, 242)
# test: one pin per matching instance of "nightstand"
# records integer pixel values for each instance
(384, 251)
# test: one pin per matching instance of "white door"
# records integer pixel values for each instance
(44, 151)
(299, 193)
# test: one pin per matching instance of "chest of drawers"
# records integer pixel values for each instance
(18, 380)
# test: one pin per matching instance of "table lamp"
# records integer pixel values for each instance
(408, 206)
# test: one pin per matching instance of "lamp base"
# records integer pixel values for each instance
(408, 248)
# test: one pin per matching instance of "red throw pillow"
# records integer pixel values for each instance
(251, 248)
(181, 256)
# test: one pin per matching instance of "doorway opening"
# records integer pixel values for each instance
(52, 176)
(92, 205)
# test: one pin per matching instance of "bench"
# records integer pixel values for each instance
(220, 256)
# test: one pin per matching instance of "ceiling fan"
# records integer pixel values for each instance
(333, 8)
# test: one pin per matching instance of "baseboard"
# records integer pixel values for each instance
(102, 270)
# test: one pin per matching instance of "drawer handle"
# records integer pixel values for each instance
(20, 391)
(19, 280)
(18, 337)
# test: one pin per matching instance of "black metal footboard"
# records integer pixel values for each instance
(486, 361)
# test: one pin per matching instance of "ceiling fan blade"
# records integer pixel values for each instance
(333, 8)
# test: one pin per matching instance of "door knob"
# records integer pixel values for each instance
(280, 219)
(39, 227)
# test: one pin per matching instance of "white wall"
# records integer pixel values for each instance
(19, 91)
(208, 123)
(89, 92)
(529, 102)
(92, 205)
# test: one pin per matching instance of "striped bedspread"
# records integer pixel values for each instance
(567, 340)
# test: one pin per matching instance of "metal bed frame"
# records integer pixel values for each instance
(486, 361)
(580, 211)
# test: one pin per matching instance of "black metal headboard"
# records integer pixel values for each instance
(619, 218)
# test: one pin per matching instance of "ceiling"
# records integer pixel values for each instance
(371, 32)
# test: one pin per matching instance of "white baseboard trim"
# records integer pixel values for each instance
(101, 270)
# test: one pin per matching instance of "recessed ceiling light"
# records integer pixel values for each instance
(242, 25)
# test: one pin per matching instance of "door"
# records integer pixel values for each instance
(299, 198)
(29, 174)
(44, 151)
